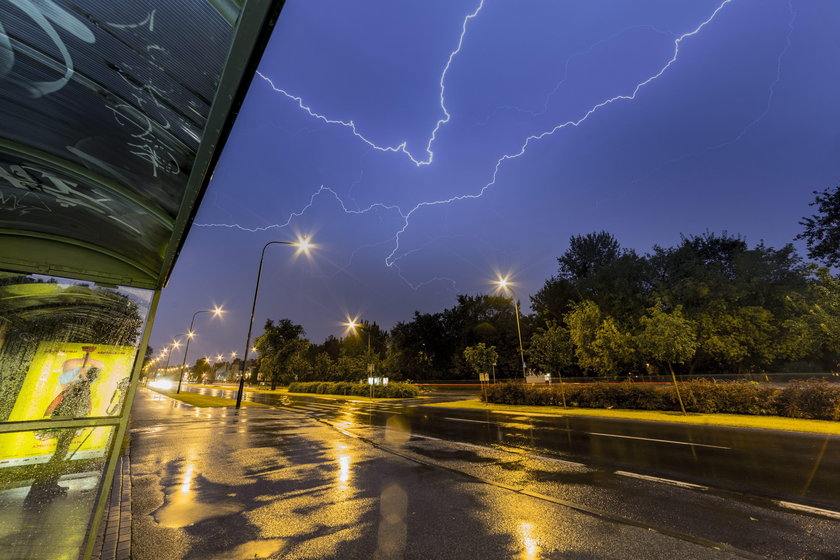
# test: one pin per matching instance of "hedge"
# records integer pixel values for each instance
(799, 399)
(391, 390)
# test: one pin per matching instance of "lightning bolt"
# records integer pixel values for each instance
(403, 147)
(322, 189)
(748, 126)
(392, 258)
(570, 123)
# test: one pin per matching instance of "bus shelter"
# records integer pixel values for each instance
(112, 117)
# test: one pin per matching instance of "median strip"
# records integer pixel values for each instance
(730, 420)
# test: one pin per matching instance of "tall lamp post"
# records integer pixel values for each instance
(168, 352)
(304, 246)
(505, 286)
(190, 334)
(354, 325)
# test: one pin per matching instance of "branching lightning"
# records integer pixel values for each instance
(393, 256)
(536, 137)
(403, 147)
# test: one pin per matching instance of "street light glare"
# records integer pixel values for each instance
(304, 245)
(190, 334)
(217, 310)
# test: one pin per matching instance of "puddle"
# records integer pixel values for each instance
(254, 549)
(181, 510)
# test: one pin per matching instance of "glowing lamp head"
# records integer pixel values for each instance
(503, 284)
(176, 344)
(304, 245)
(190, 334)
(219, 357)
(217, 311)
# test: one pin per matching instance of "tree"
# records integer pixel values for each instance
(595, 267)
(276, 346)
(586, 253)
(322, 367)
(200, 368)
(736, 296)
(822, 229)
(814, 326)
(551, 349)
(600, 345)
(481, 358)
(667, 337)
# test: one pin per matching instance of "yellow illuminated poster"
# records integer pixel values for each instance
(68, 380)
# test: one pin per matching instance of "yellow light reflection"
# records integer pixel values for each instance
(530, 544)
(343, 471)
(187, 483)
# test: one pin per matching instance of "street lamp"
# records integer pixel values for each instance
(504, 285)
(354, 325)
(167, 350)
(304, 246)
(217, 311)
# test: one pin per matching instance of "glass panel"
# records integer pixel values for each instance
(118, 92)
(38, 197)
(67, 348)
(48, 487)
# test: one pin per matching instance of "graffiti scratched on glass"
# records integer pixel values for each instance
(32, 181)
(144, 144)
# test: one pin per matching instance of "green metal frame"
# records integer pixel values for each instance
(248, 45)
(119, 422)
(116, 442)
(78, 260)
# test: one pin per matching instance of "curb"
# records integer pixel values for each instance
(114, 539)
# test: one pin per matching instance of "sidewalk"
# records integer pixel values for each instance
(216, 483)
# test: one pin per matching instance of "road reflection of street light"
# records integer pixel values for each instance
(217, 312)
(304, 245)
(503, 284)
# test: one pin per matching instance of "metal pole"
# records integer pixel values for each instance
(519, 332)
(187, 349)
(168, 354)
(251, 322)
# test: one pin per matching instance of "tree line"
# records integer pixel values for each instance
(712, 303)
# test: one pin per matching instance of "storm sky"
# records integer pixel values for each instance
(429, 146)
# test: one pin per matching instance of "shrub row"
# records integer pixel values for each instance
(799, 399)
(391, 390)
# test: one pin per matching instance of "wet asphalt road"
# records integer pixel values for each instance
(478, 497)
(797, 467)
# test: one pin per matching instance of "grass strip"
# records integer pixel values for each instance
(203, 401)
(730, 420)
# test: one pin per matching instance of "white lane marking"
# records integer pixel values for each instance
(809, 509)
(466, 420)
(663, 480)
(660, 440)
